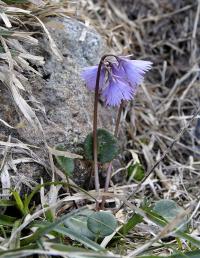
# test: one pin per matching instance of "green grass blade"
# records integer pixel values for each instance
(7, 220)
(131, 223)
(49, 228)
(19, 202)
(7, 203)
(55, 250)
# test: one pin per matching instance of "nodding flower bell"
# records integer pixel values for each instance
(119, 79)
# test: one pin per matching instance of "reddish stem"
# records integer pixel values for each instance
(95, 118)
(109, 171)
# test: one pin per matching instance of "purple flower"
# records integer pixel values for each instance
(116, 91)
(90, 74)
(119, 80)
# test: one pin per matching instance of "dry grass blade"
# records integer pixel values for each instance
(6, 124)
(19, 59)
(5, 182)
(18, 145)
(24, 107)
(64, 154)
(14, 10)
(4, 17)
(5, 177)
(10, 80)
(53, 46)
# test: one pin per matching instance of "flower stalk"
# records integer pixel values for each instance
(95, 140)
(109, 171)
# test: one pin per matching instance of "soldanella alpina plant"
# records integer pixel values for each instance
(115, 80)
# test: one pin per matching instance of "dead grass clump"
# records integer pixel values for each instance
(167, 33)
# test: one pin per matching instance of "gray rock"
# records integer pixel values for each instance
(68, 104)
(62, 94)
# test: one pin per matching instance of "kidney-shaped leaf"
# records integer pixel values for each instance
(102, 223)
(66, 164)
(168, 209)
(108, 147)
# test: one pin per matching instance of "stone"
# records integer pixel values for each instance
(67, 102)
(64, 105)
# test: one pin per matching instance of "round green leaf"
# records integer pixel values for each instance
(78, 223)
(108, 147)
(168, 209)
(66, 164)
(102, 223)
